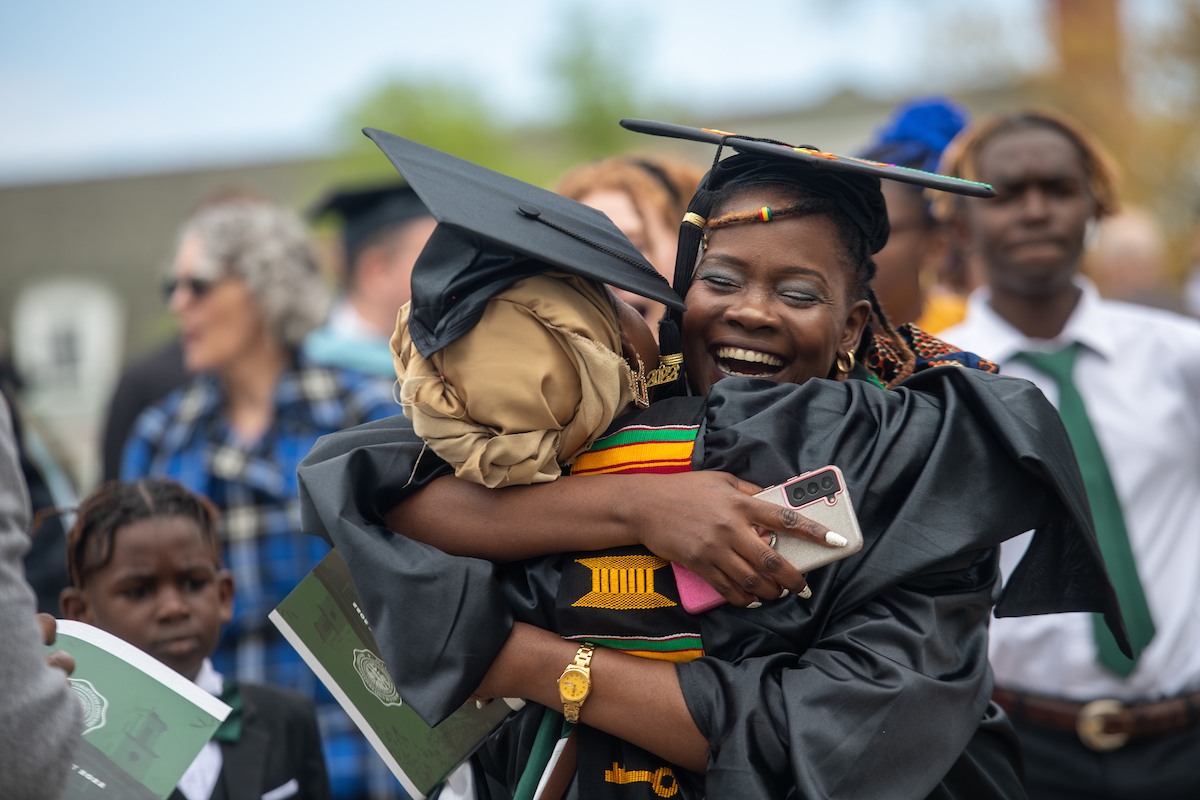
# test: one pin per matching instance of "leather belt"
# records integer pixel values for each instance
(1102, 724)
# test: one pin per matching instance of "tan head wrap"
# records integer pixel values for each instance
(528, 389)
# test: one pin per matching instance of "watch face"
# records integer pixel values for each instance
(573, 685)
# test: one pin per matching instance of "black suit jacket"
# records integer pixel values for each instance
(279, 743)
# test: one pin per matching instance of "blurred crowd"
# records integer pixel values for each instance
(1053, 279)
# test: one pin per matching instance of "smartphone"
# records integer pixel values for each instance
(820, 495)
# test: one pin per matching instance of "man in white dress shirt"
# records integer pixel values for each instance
(1091, 725)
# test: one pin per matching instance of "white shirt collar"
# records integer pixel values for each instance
(209, 679)
(200, 779)
(1085, 325)
(345, 321)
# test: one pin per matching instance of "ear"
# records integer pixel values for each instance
(75, 605)
(225, 595)
(856, 321)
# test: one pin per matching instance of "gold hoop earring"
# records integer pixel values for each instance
(845, 369)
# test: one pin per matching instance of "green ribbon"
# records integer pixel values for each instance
(1106, 512)
(230, 730)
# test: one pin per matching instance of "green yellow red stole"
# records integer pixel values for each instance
(626, 599)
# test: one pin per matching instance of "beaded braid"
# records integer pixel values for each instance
(115, 505)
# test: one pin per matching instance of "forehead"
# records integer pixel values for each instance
(170, 541)
(782, 246)
(617, 205)
(1030, 154)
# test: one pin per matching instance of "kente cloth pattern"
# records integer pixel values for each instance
(885, 362)
(187, 438)
(626, 599)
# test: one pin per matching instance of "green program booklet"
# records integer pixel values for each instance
(144, 723)
(323, 620)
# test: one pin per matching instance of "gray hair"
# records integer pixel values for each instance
(268, 249)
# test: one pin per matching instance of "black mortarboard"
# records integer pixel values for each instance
(852, 183)
(493, 231)
(365, 212)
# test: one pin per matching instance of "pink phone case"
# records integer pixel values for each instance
(694, 592)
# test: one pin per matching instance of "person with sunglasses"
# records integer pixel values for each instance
(246, 291)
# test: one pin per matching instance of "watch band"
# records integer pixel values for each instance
(581, 664)
(583, 656)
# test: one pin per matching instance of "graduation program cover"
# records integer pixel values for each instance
(143, 724)
(322, 619)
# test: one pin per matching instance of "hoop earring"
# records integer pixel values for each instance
(845, 369)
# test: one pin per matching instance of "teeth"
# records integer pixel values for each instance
(751, 356)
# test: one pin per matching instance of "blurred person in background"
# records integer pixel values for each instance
(384, 232)
(246, 290)
(49, 487)
(1125, 380)
(908, 283)
(40, 717)
(646, 199)
(154, 376)
(1129, 261)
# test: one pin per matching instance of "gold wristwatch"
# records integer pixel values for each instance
(575, 683)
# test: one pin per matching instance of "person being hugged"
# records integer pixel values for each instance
(145, 564)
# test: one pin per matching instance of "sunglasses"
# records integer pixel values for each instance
(197, 287)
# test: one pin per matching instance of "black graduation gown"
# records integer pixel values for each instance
(876, 687)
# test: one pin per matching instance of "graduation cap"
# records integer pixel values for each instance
(812, 156)
(365, 212)
(493, 231)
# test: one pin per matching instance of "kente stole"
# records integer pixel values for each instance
(626, 599)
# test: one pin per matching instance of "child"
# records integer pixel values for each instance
(145, 565)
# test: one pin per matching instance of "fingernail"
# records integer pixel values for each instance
(480, 703)
(755, 604)
(806, 593)
(784, 593)
(835, 539)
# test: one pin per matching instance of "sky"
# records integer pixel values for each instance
(90, 89)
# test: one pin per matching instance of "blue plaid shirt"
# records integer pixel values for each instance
(186, 437)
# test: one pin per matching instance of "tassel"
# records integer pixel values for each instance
(691, 234)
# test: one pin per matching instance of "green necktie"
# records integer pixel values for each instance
(1106, 512)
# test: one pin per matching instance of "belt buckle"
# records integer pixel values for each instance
(1090, 726)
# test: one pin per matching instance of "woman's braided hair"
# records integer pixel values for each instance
(858, 259)
(116, 505)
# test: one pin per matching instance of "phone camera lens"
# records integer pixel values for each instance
(813, 488)
(827, 482)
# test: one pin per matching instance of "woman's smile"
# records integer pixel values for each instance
(739, 362)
